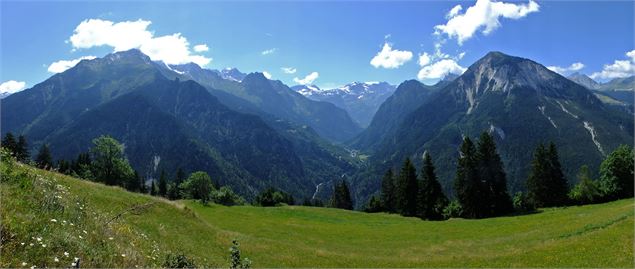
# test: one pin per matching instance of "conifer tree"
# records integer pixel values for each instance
(406, 189)
(9, 143)
(430, 200)
(537, 187)
(559, 188)
(21, 149)
(467, 184)
(163, 184)
(341, 197)
(492, 173)
(180, 176)
(546, 185)
(153, 188)
(43, 159)
(387, 198)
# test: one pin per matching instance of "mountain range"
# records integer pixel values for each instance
(360, 99)
(166, 123)
(251, 133)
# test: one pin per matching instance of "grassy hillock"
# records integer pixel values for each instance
(49, 219)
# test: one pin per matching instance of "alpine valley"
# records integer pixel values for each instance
(251, 133)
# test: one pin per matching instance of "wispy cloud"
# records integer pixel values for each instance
(201, 48)
(309, 79)
(63, 65)
(288, 70)
(269, 51)
(571, 68)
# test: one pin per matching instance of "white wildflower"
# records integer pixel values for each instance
(80, 237)
(56, 259)
(43, 245)
(110, 238)
(53, 220)
(65, 253)
(76, 259)
(39, 239)
(84, 232)
(73, 264)
(72, 224)
(23, 263)
(22, 244)
(31, 244)
(123, 255)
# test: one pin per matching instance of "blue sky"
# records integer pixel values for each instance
(334, 41)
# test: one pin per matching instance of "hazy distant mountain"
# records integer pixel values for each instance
(275, 98)
(168, 123)
(521, 102)
(584, 80)
(360, 99)
(617, 92)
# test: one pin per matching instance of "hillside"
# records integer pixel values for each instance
(46, 214)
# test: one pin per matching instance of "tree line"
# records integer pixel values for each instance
(480, 184)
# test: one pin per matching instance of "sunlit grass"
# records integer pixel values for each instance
(49, 220)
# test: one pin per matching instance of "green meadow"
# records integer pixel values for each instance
(49, 219)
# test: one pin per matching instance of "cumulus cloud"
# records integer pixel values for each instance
(269, 51)
(63, 65)
(389, 58)
(424, 59)
(308, 79)
(266, 74)
(12, 86)
(288, 70)
(483, 16)
(454, 11)
(440, 69)
(618, 69)
(201, 48)
(171, 49)
(562, 70)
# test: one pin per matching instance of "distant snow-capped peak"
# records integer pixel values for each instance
(355, 89)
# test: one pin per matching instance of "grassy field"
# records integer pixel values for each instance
(49, 219)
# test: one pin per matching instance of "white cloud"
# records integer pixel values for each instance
(483, 16)
(288, 70)
(561, 70)
(171, 49)
(389, 58)
(269, 51)
(618, 69)
(266, 74)
(12, 86)
(440, 69)
(201, 48)
(63, 65)
(454, 11)
(308, 79)
(424, 59)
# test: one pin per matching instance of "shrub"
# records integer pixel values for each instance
(522, 203)
(273, 197)
(586, 191)
(178, 261)
(453, 210)
(225, 196)
(198, 186)
(374, 205)
(234, 259)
